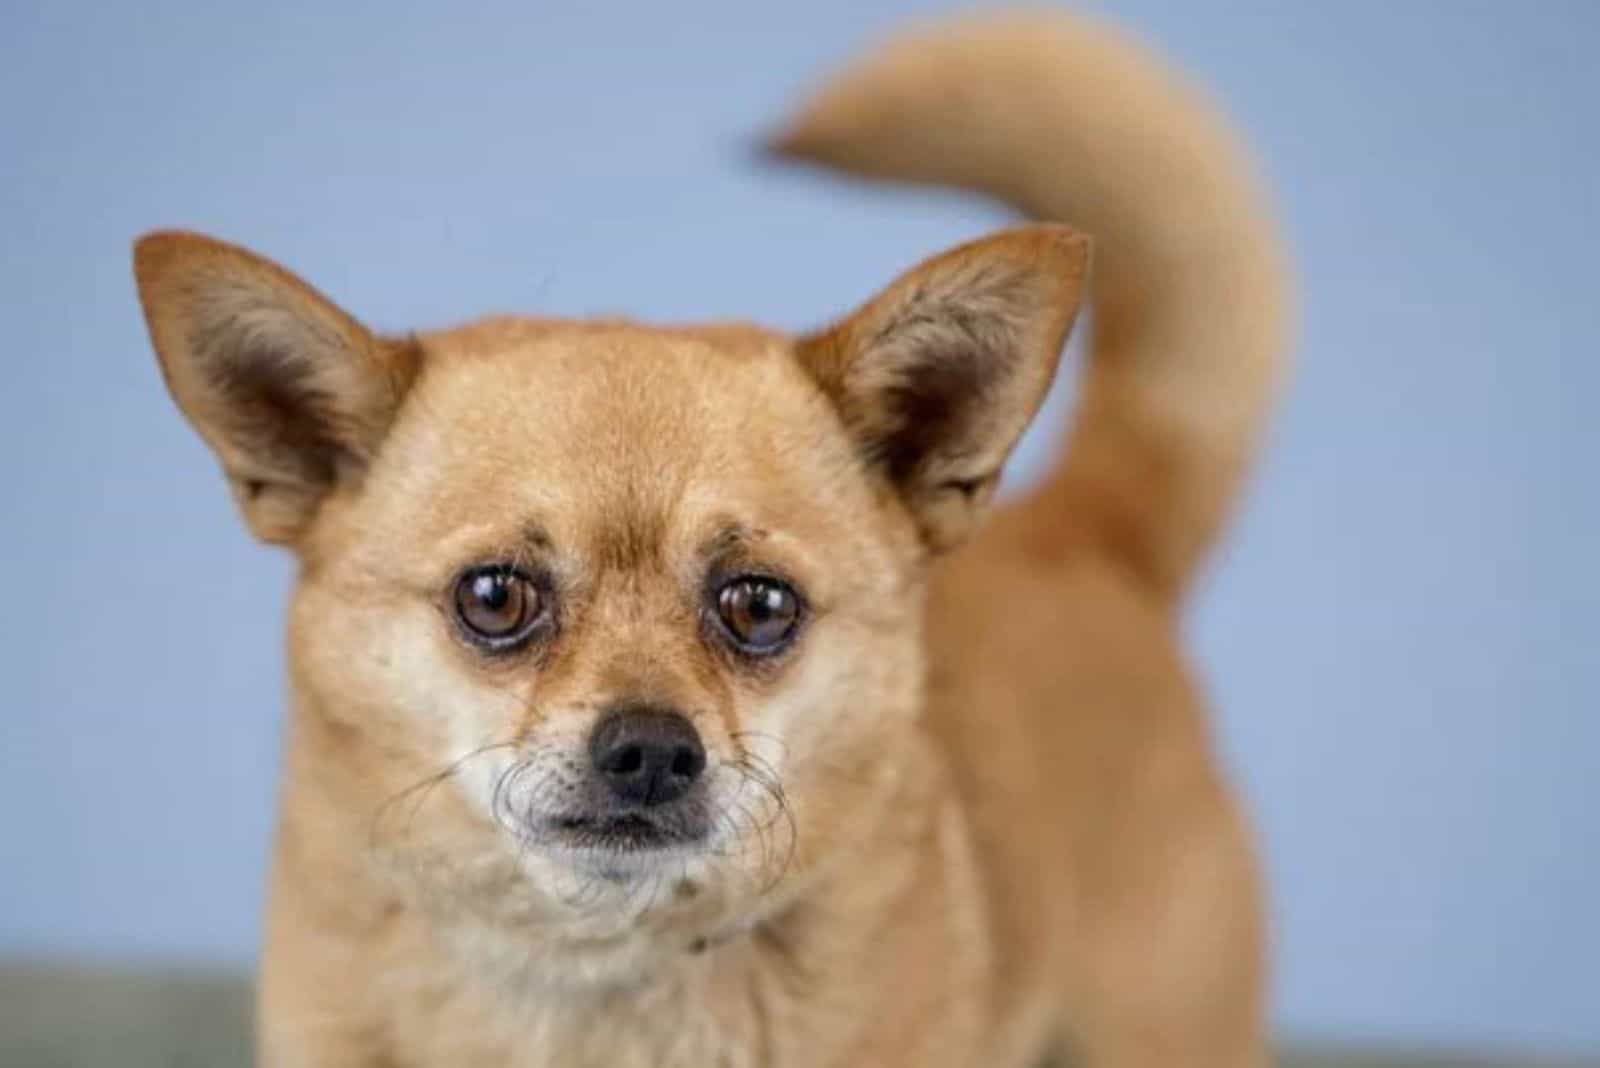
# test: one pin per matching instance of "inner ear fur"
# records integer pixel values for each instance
(937, 377)
(291, 393)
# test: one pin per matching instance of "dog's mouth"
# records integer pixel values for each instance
(627, 832)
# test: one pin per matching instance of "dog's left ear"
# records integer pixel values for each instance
(938, 376)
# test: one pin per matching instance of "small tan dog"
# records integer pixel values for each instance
(643, 716)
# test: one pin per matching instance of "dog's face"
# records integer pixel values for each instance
(640, 603)
(640, 568)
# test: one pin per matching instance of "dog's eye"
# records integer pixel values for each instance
(760, 614)
(497, 605)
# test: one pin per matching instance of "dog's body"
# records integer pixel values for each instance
(909, 808)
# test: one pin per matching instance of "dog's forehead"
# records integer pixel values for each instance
(586, 425)
(601, 400)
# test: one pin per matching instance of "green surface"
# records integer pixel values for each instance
(56, 1018)
(53, 1018)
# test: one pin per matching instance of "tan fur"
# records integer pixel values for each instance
(970, 812)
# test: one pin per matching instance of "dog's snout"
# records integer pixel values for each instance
(647, 756)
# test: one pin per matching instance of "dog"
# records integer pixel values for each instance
(675, 696)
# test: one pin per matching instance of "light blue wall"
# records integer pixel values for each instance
(1403, 634)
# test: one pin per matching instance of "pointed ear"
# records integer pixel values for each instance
(291, 393)
(938, 376)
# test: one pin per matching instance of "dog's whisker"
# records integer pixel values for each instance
(422, 788)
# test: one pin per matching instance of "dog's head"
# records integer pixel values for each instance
(624, 600)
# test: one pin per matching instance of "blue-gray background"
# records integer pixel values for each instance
(1402, 635)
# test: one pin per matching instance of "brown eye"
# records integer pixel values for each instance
(760, 614)
(497, 606)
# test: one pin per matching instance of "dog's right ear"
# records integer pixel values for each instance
(292, 394)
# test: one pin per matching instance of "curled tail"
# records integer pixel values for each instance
(1068, 120)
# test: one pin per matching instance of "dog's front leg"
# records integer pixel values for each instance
(301, 1023)
(321, 1000)
(308, 1015)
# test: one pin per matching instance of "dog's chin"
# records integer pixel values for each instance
(625, 844)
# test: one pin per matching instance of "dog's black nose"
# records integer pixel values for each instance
(648, 756)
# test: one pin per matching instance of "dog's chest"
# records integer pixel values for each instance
(666, 1033)
(688, 1018)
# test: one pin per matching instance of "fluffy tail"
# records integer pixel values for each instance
(1069, 120)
